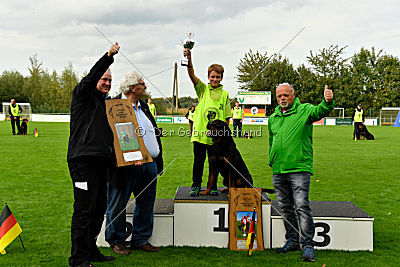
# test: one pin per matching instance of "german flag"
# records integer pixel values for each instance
(252, 233)
(9, 228)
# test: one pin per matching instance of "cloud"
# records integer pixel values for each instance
(150, 32)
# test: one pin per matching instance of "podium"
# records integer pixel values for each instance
(202, 221)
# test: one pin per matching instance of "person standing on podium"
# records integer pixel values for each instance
(291, 159)
(213, 105)
(90, 154)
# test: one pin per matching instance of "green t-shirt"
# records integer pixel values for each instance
(213, 104)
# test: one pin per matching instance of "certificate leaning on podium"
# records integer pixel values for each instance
(128, 140)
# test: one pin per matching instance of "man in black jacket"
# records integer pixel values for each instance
(90, 153)
(141, 180)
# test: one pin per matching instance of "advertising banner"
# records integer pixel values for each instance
(160, 119)
(254, 98)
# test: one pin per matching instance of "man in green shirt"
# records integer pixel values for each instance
(213, 105)
(238, 114)
(291, 159)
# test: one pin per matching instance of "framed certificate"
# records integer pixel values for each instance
(128, 141)
(245, 215)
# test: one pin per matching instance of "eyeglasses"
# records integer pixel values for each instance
(142, 84)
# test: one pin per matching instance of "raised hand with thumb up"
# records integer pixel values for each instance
(328, 94)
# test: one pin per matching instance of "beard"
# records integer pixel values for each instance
(284, 104)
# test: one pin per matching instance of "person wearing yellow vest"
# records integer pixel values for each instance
(14, 110)
(238, 115)
(358, 118)
(213, 105)
(152, 108)
(190, 116)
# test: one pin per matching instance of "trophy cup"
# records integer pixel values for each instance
(187, 43)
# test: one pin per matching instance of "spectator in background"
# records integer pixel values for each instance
(358, 117)
(237, 115)
(152, 108)
(14, 111)
(190, 116)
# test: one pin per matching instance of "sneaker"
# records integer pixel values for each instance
(309, 254)
(289, 246)
(214, 192)
(194, 191)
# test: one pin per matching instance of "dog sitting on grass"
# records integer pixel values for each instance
(24, 127)
(225, 159)
(364, 133)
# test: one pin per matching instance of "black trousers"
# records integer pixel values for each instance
(357, 130)
(237, 124)
(89, 177)
(13, 122)
(199, 151)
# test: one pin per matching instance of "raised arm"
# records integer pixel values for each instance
(90, 81)
(190, 69)
(324, 108)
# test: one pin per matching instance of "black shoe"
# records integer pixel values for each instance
(83, 264)
(101, 258)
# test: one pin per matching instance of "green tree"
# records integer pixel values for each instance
(11, 86)
(32, 84)
(68, 81)
(250, 71)
(332, 69)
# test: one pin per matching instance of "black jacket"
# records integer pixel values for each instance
(90, 133)
(118, 176)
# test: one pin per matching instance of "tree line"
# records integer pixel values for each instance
(46, 92)
(369, 77)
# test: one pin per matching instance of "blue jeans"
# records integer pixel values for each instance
(291, 190)
(135, 179)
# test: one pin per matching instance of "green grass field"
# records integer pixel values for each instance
(35, 182)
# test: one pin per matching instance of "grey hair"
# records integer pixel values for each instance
(285, 84)
(131, 78)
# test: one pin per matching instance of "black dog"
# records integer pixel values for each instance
(24, 127)
(225, 159)
(364, 133)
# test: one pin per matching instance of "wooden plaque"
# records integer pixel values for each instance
(242, 202)
(128, 141)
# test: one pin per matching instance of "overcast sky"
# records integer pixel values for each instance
(149, 33)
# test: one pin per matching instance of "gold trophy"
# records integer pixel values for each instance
(187, 43)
